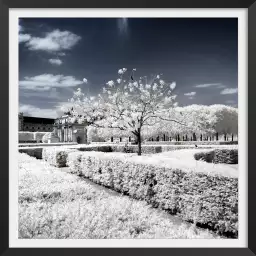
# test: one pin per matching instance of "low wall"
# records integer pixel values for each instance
(47, 144)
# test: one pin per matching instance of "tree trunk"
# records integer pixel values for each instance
(217, 136)
(232, 137)
(139, 142)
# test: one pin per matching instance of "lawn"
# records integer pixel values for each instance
(54, 204)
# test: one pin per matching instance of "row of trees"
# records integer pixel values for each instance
(206, 123)
(143, 108)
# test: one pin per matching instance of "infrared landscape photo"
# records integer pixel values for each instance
(128, 128)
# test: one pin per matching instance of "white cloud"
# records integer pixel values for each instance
(20, 28)
(229, 91)
(53, 41)
(57, 62)
(190, 93)
(219, 85)
(34, 111)
(24, 38)
(45, 82)
(43, 94)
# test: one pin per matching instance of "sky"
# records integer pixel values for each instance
(56, 54)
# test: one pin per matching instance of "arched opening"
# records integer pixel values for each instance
(78, 139)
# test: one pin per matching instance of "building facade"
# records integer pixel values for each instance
(35, 124)
(61, 128)
(70, 132)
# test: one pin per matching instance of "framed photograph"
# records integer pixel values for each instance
(128, 127)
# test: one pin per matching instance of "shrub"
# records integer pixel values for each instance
(103, 148)
(204, 199)
(56, 156)
(32, 151)
(38, 136)
(46, 137)
(227, 156)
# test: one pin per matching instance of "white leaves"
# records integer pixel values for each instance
(120, 71)
(135, 84)
(162, 82)
(110, 83)
(148, 86)
(134, 69)
(85, 80)
(119, 80)
(154, 87)
(175, 104)
(158, 77)
(172, 86)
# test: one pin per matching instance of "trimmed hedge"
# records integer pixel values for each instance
(38, 136)
(32, 151)
(226, 156)
(56, 156)
(103, 148)
(146, 149)
(207, 200)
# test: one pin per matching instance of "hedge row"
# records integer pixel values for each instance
(56, 156)
(227, 156)
(191, 142)
(32, 151)
(146, 149)
(208, 200)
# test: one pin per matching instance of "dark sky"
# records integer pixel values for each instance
(199, 54)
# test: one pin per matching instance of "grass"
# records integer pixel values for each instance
(54, 204)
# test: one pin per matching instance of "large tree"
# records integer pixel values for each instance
(127, 104)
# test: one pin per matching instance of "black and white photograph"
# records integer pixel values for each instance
(128, 128)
